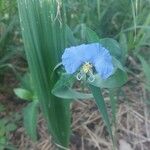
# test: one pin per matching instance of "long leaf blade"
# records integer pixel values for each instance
(30, 119)
(101, 106)
(44, 37)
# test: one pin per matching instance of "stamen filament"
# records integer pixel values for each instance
(91, 77)
(80, 75)
(86, 70)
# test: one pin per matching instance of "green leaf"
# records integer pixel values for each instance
(4, 120)
(45, 38)
(88, 35)
(2, 142)
(71, 94)
(2, 108)
(24, 94)
(147, 87)
(113, 102)
(113, 47)
(145, 67)
(117, 64)
(63, 89)
(146, 70)
(118, 79)
(10, 127)
(2, 129)
(123, 45)
(30, 114)
(101, 106)
(91, 36)
(26, 82)
(70, 37)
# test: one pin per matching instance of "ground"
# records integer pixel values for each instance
(89, 131)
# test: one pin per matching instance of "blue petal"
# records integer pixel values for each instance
(74, 57)
(71, 60)
(94, 53)
(90, 52)
(103, 64)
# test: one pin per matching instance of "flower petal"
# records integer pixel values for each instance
(90, 52)
(94, 53)
(73, 57)
(103, 64)
(71, 60)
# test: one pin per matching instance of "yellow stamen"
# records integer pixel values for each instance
(87, 67)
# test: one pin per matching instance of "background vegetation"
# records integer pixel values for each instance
(127, 21)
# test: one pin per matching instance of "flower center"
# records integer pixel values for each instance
(86, 70)
(87, 67)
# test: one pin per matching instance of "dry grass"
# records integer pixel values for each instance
(89, 132)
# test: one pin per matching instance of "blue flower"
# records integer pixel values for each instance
(88, 57)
